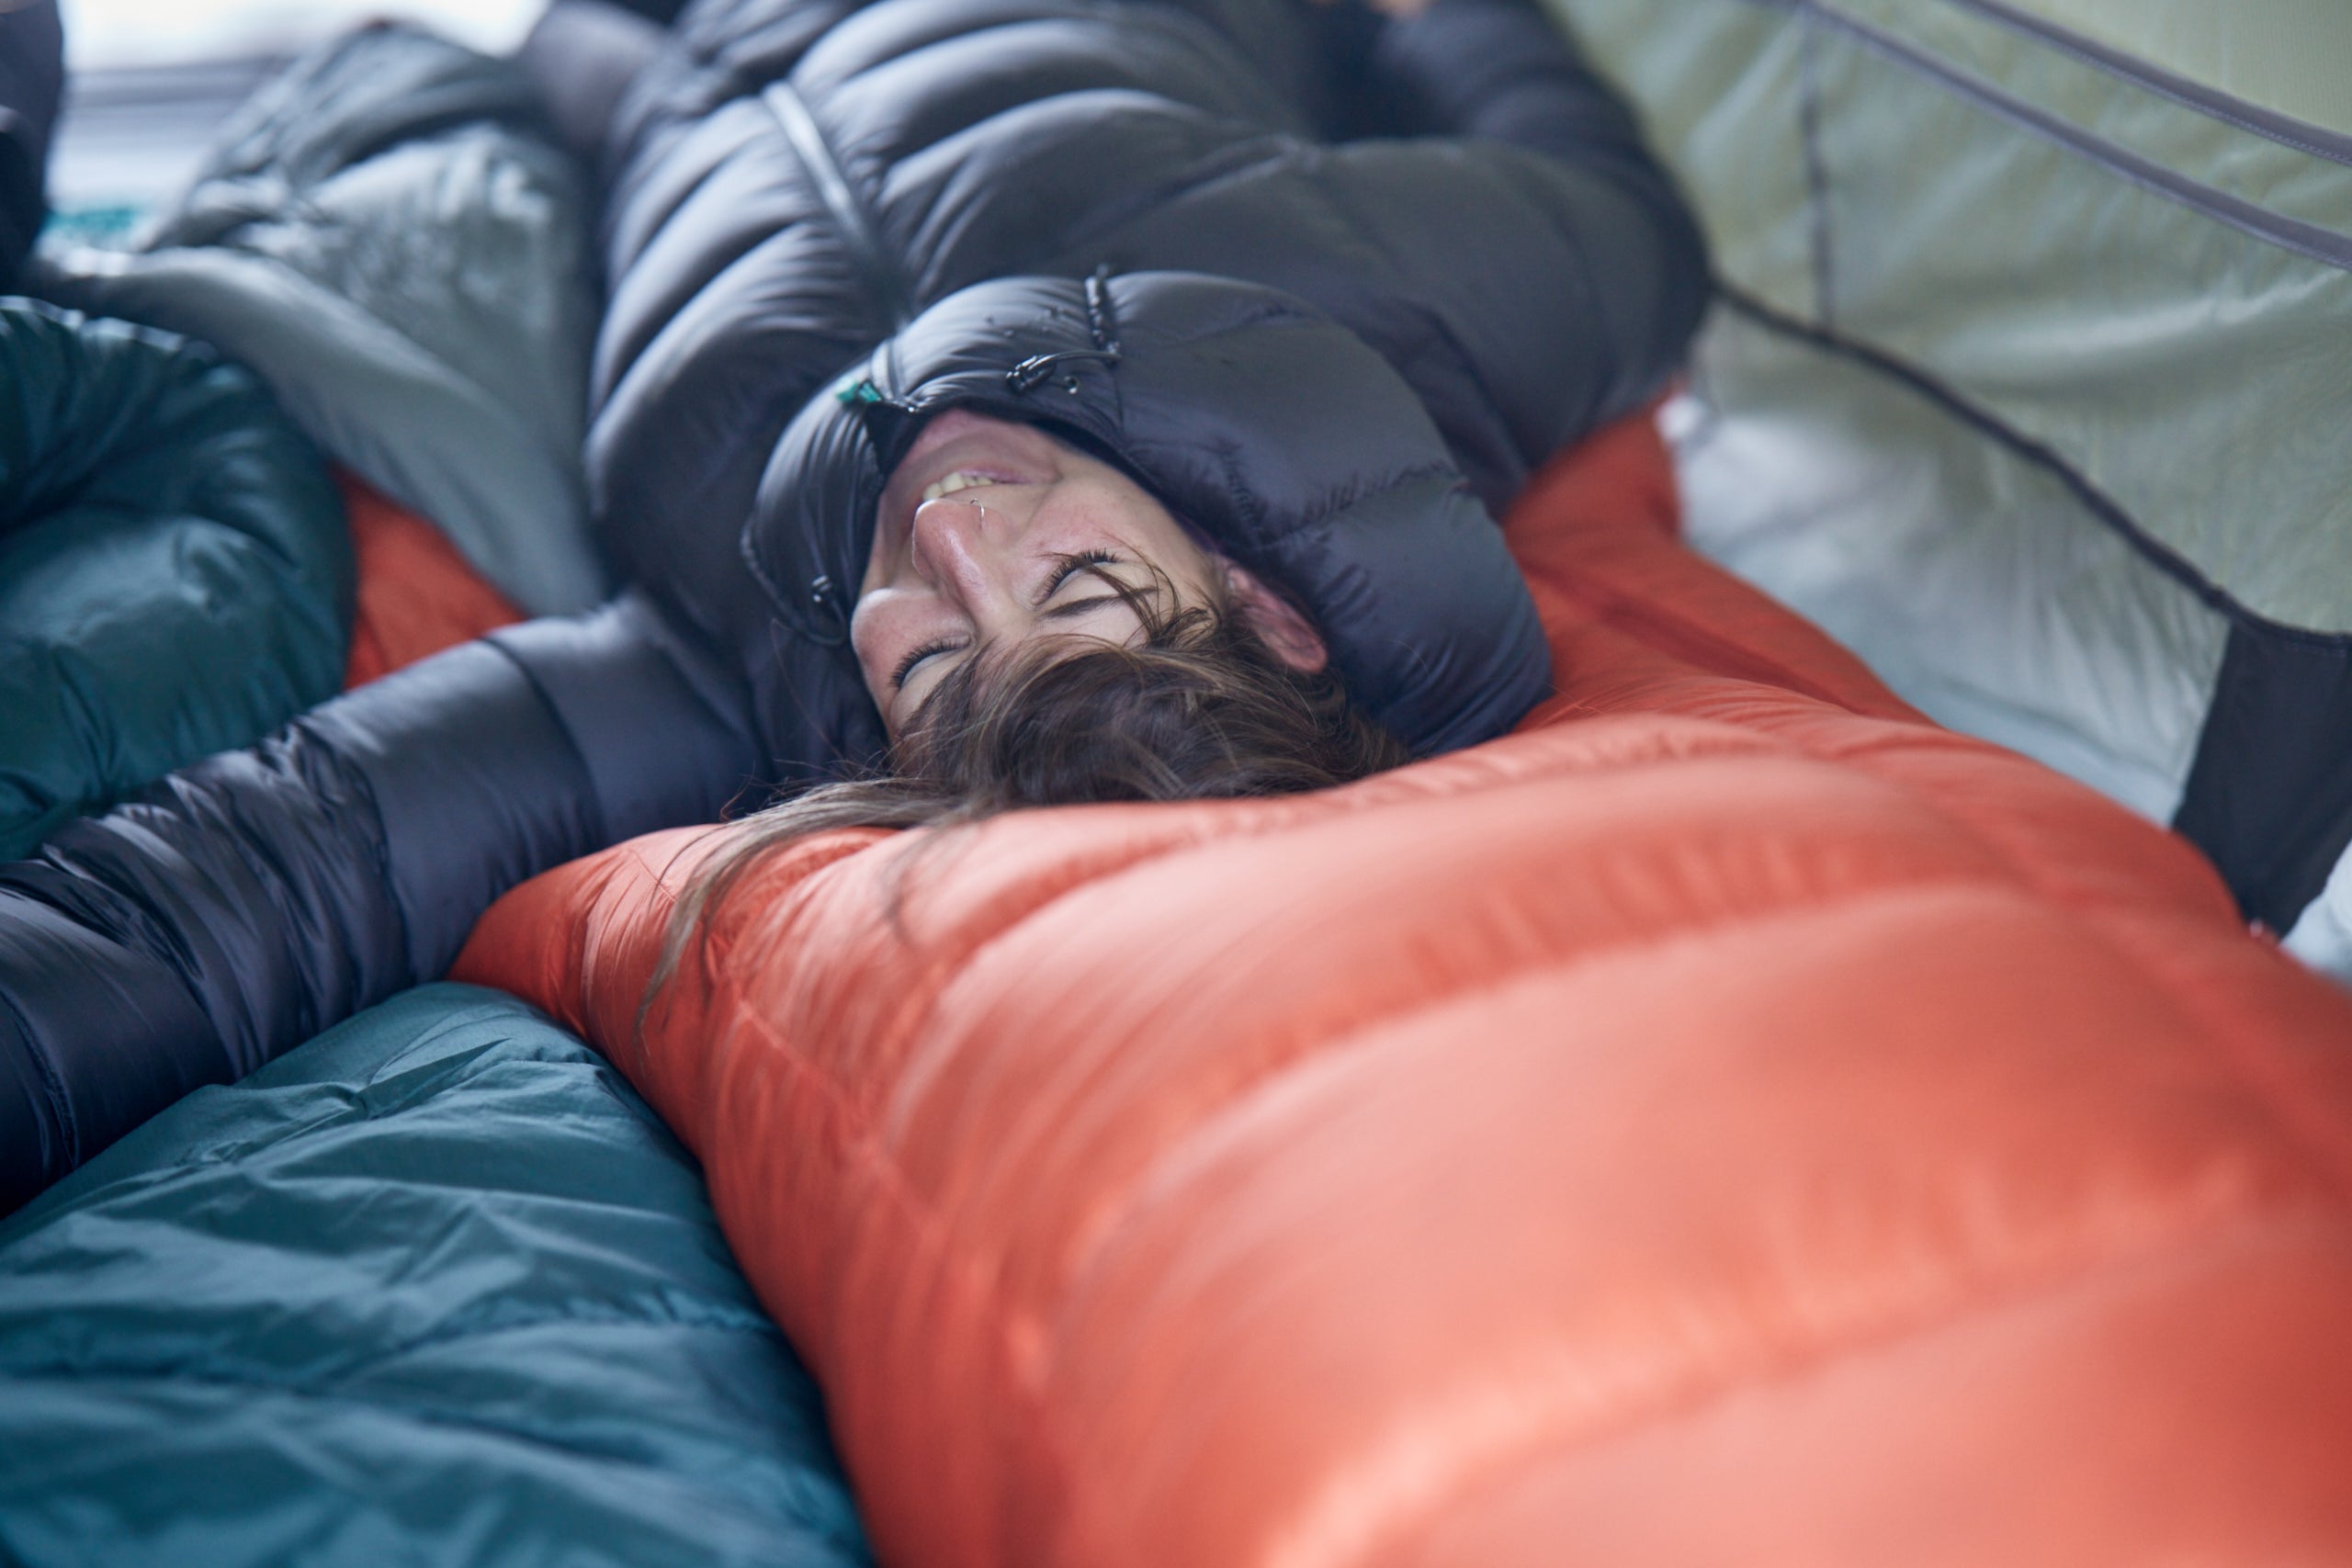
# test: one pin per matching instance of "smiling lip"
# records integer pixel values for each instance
(959, 442)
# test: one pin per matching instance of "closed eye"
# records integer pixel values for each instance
(1069, 566)
(906, 667)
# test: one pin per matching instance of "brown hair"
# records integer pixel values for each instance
(1199, 708)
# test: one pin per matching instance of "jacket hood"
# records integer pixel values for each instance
(1280, 436)
(798, 182)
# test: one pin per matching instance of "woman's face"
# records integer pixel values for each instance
(983, 540)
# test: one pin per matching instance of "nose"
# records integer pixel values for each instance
(961, 547)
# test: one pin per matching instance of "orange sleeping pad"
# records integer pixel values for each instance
(1729, 1121)
(417, 596)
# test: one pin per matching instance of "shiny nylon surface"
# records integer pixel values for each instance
(434, 1288)
(1728, 1120)
(798, 180)
(174, 573)
(1512, 268)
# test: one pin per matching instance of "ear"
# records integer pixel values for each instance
(1287, 634)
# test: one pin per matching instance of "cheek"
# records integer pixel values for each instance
(872, 638)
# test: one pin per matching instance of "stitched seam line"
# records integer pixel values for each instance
(2307, 239)
(1817, 173)
(2208, 101)
(2105, 508)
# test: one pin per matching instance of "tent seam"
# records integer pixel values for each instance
(2231, 110)
(2307, 239)
(1816, 172)
(2102, 506)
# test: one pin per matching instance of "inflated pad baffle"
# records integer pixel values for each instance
(417, 593)
(1728, 1121)
(176, 576)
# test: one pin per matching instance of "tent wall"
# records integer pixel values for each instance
(2032, 375)
(2287, 56)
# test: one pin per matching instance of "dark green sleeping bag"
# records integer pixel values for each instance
(436, 1287)
(175, 574)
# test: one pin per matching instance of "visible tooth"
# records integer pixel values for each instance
(957, 481)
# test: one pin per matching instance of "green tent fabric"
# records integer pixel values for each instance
(2029, 379)
(2287, 56)
(434, 1288)
(176, 572)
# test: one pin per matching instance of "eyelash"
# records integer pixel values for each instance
(1069, 567)
(1072, 564)
(906, 665)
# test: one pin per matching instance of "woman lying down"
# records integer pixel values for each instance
(998, 406)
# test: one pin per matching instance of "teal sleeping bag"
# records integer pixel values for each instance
(175, 571)
(436, 1287)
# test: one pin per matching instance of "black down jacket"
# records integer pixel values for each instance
(1329, 285)
(801, 180)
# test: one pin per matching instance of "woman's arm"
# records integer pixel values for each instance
(1494, 70)
(247, 902)
(1513, 187)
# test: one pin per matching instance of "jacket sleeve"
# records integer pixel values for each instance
(251, 900)
(1566, 271)
(1494, 70)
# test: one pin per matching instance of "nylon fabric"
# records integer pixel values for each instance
(1376, 341)
(2271, 795)
(417, 596)
(2019, 615)
(2321, 934)
(2127, 280)
(175, 577)
(2223, 456)
(246, 903)
(386, 233)
(2277, 54)
(2241, 160)
(1350, 487)
(1728, 1074)
(795, 183)
(434, 1288)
